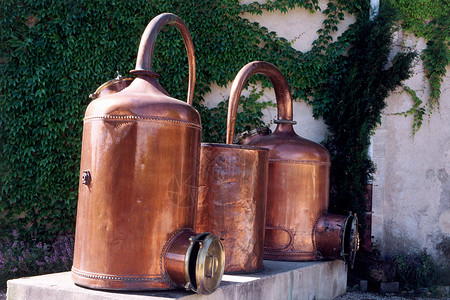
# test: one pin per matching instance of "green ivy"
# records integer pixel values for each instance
(214, 120)
(428, 19)
(417, 110)
(351, 101)
(53, 55)
(417, 270)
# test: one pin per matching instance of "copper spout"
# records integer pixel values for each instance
(280, 85)
(147, 46)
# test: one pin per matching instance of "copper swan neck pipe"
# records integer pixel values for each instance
(147, 46)
(280, 85)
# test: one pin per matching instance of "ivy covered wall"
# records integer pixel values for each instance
(54, 55)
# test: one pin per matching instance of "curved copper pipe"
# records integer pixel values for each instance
(280, 85)
(147, 47)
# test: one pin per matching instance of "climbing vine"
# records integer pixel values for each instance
(54, 54)
(351, 101)
(428, 19)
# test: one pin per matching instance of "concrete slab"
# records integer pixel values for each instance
(278, 280)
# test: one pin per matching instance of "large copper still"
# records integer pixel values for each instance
(232, 201)
(298, 226)
(138, 185)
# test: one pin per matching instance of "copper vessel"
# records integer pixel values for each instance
(298, 189)
(138, 185)
(232, 201)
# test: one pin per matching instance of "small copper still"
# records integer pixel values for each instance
(298, 226)
(232, 201)
(138, 185)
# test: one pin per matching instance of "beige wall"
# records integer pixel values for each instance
(300, 26)
(411, 200)
(411, 195)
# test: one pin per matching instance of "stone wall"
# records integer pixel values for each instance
(411, 193)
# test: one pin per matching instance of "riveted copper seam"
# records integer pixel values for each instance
(144, 118)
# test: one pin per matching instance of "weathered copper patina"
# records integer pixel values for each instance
(138, 185)
(298, 179)
(232, 201)
(336, 236)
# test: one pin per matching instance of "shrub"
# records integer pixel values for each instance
(417, 270)
(23, 258)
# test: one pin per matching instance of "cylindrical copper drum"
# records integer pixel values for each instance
(232, 202)
(298, 186)
(138, 185)
(142, 189)
(336, 236)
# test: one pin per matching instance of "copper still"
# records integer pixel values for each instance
(298, 226)
(138, 185)
(232, 201)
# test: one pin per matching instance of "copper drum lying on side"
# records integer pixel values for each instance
(138, 186)
(298, 177)
(336, 236)
(232, 201)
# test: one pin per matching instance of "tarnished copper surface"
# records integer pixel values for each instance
(141, 149)
(298, 186)
(232, 201)
(336, 236)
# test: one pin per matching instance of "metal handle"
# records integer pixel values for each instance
(147, 46)
(279, 82)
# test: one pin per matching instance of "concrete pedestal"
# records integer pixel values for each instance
(277, 281)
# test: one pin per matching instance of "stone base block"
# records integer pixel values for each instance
(278, 280)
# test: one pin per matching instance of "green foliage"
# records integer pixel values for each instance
(214, 120)
(417, 110)
(350, 102)
(428, 19)
(418, 270)
(53, 55)
(20, 258)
